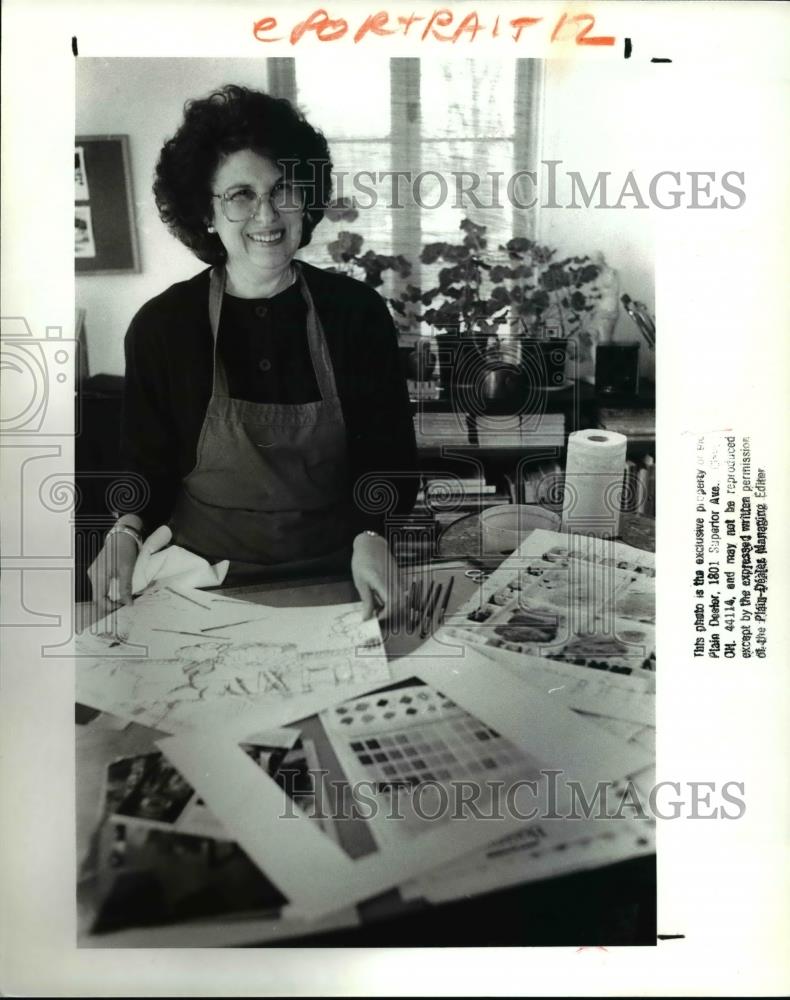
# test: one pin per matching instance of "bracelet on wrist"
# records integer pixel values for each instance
(127, 529)
(367, 534)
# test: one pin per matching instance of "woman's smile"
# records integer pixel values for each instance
(268, 238)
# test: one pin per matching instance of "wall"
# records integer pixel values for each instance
(594, 120)
(142, 98)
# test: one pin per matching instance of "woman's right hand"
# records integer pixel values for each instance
(115, 562)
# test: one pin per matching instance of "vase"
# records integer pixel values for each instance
(617, 370)
(480, 380)
(581, 354)
(501, 389)
(599, 328)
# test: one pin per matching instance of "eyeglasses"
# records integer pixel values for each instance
(241, 204)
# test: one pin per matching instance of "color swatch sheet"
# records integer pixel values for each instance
(411, 747)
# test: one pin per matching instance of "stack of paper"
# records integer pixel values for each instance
(517, 744)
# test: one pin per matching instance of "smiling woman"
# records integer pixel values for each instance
(261, 391)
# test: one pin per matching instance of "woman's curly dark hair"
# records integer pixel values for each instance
(227, 121)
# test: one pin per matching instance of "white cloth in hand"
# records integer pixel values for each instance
(159, 561)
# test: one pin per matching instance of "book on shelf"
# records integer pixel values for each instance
(631, 488)
(635, 424)
(438, 482)
(423, 390)
(649, 504)
(527, 430)
(445, 494)
(639, 486)
(441, 428)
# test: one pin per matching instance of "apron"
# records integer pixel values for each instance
(270, 486)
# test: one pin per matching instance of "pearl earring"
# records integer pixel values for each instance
(210, 229)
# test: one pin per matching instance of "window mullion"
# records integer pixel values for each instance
(406, 155)
(281, 77)
(528, 101)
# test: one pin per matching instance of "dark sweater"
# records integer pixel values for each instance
(169, 367)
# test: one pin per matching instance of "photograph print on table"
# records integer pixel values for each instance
(146, 790)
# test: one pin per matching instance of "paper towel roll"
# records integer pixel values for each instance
(593, 483)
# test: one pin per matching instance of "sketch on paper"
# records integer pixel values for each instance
(224, 677)
(173, 657)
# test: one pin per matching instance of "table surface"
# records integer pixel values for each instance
(600, 900)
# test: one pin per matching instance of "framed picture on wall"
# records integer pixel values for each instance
(105, 231)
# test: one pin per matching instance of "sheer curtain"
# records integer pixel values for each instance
(349, 101)
(457, 128)
(467, 110)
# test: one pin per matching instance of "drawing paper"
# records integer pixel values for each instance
(174, 660)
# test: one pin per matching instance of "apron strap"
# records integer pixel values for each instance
(316, 341)
(216, 289)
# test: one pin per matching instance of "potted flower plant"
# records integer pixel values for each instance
(494, 310)
(507, 310)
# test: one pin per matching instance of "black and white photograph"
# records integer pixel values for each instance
(81, 186)
(280, 378)
(84, 243)
(390, 588)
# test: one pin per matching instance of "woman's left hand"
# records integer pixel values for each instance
(376, 576)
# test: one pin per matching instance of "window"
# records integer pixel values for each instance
(457, 128)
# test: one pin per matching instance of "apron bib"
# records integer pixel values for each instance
(270, 486)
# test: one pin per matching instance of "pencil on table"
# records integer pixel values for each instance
(427, 600)
(213, 628)
(415, 618)
(446, 601)
(430, 607)
(411, 606)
